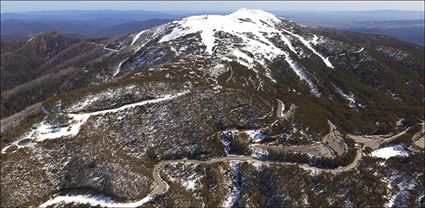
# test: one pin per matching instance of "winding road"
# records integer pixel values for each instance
(162, 186)
(376, 143)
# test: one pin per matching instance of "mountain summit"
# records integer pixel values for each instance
(254, 28)
(241, 22)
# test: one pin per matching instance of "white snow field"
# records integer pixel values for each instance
(254, 28)
(93, 201)
(388, 152)
(45, 131)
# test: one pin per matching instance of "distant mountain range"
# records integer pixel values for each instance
(403, 25)
(407, 30)
(18, 29)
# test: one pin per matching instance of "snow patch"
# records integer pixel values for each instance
(93, 201)
(137, 36)
(191, 182)
(388, 152)
(156, 32)
(302, 75)
(315, 40)
(255, 135)
(47, 131)
(165, 98)
(359, 51)
(33, 36)
(308, 45)
(349, 97)
(289, 44)
(258, 165)
(18, 144)
(118, 69)
(92, 99)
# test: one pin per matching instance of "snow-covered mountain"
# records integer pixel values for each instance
(253, 38)
(214, 110)
(256, 40)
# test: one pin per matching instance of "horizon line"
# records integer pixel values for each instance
(164, 11)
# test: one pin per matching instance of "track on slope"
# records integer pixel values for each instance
(162, 186)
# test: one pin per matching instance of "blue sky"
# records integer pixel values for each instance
(22, 6)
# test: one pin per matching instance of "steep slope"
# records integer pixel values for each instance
(44, 65)
(26, 60)
(364, 72)
(245, 109)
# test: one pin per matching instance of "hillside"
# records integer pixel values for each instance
(244, 109)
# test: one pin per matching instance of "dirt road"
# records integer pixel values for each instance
(375, 143)
(162, 186)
